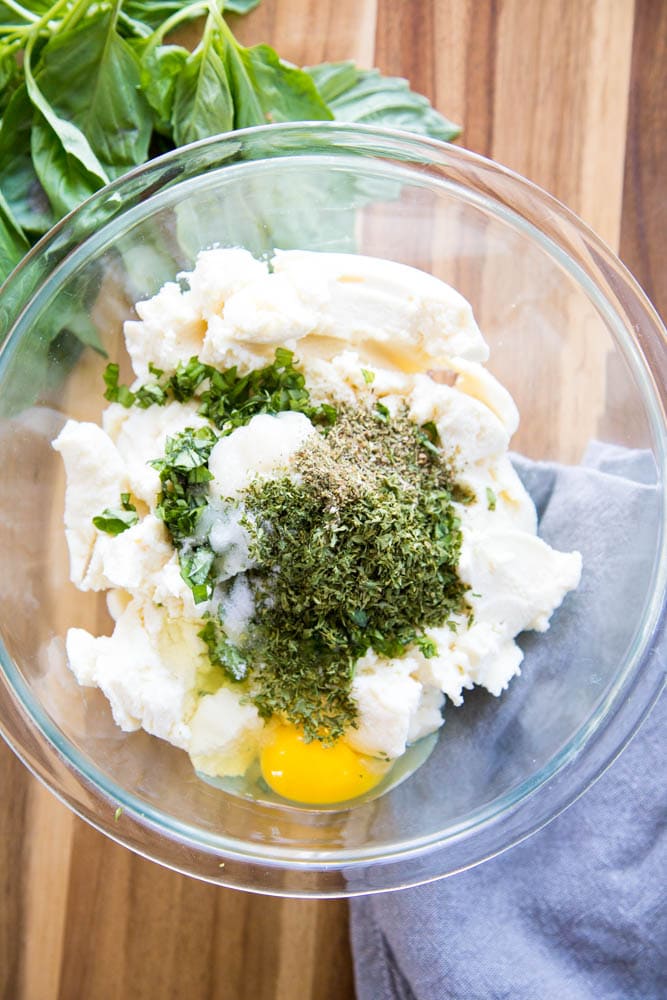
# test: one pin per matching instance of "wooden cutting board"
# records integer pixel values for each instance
(570, 93)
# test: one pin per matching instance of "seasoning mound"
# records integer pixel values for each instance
(362, 545)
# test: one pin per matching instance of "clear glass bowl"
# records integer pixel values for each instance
(571, 335)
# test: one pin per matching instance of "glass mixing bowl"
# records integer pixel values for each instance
(571, 336)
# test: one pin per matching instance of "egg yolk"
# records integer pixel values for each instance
(313, 773)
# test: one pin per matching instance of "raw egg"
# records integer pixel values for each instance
(313, 773)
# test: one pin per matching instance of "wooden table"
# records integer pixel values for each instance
(569, 93)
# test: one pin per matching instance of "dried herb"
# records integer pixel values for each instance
(360, 553)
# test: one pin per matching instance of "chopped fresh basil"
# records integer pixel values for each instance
(228, 399)
(115, 520)
(221, 651)
(116, 393)
(426, 646)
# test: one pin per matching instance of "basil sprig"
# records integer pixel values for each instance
(89, 90)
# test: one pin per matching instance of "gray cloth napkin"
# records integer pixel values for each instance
(579, 910)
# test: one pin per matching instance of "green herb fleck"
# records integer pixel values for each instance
(491, 498)
(221, 651)
(426, 646)
(228, 399)
(118, 813)
(116, 393)
(184, 480)
(116, 520)
(382, 412)
(369, 377)
(429, 437)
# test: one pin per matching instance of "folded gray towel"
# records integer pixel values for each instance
(578, 911)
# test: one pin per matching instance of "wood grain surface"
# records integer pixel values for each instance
(570, 93)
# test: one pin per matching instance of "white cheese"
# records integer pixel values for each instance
(96, 477)
(406, 312)
(265, 445)
(219, 274)
(387, 698)
(172, 326)
(462, 421)
(481, 654)
(225, 733)
(427, 717)
(520, 579)
(474, 380)
(132, 560)
(320, 303)
(496, 485)
(140, 437)
(149, 680)
(170, 330)
(352, 321)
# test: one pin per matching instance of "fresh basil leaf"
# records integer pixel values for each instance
(241, 6)
(79, 156)
(91, 78)
(82, 327)
(115, 520)
(367, 97)
(13, 243)
(161, 65)
(265, 89)
(62, 176)
(9, 78)
(155, 12)
(196, 567)
(221, 651)
(27, 196)
(202, 100)
(11, 17)
(427, 646)
(18, 180)
(333, 79)
(114, 392)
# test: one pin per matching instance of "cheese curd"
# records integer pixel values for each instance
(348, 318)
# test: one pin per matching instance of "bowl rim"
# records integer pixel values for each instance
(646, 669)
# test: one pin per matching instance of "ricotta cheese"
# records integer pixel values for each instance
(350, 320)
